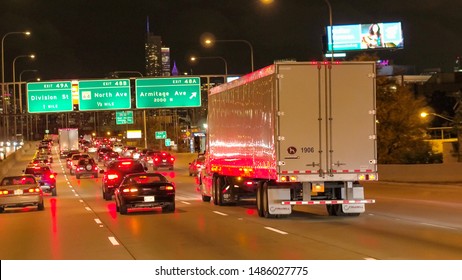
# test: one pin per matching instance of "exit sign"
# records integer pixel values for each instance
(104, 94)
(49, 97)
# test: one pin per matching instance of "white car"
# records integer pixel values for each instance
(118, 147)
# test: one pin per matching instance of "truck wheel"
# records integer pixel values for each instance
(260, 200)
(219, 190)
(54, 191)
(206, 198)
(266, 212)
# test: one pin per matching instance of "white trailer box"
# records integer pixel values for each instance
(293, 133)
(68, 140)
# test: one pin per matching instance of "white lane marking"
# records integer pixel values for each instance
(276, 230)
(88, 208)
(98, 221)
(113, 240)
(80, 200)
(437, 226)
(370, 259)
(185, 202)
(219, 213)
(76, 195)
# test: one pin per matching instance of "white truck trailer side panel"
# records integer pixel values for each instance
(241, 128)
(326, 125)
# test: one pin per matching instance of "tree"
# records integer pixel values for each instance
(401, 132)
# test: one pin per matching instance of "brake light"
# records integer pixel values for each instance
(32, 190)
(172, 159)
(3, 192)
(156, 159)
(129, 190)
(52, 176)
(126, 163)
(112, 176)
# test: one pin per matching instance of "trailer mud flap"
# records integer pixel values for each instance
(353, 208)
(275, 196)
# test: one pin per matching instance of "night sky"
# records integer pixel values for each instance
(90, 38)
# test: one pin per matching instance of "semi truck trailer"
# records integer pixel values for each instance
(293, 133)
(68, 140)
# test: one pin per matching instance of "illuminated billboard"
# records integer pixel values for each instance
(354, 37)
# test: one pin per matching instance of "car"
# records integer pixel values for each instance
(68, 157)
(163, 159)
(74, 160)
(45, 176)
(20, 191)
(40, 160)
(41, 154)
(145, 190)
(101, 152)
(86, 166)
(147, 157)
(131, 152)
(115, 172)
(196, 165)
(118, 147)
(108, 157)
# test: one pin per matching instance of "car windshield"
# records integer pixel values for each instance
(127, 166)
(145, 179)
(37, 170)
(19, 180)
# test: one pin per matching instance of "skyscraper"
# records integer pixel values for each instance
(153, 53)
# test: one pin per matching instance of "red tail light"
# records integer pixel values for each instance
(52, 176)
(112, 176)
(34, 190)
(172, 159)
(3, 192)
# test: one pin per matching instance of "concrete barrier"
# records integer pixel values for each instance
(421, 173)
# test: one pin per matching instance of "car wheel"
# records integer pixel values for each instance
(71, 171)
(107, 196)
(96, 175)
(77, 176)
(41, 206)
(123, 209)
(2, 209)
(54, 191)
(169, 208)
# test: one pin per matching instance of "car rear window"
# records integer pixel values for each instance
(126, 166)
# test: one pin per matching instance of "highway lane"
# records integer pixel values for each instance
(407, 222)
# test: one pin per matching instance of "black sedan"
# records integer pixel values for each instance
(145, 190)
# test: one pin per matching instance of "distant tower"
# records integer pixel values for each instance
(175, 69)
(153, 53)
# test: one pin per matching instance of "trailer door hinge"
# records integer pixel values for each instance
(280, 76)
(280, 113)
(281, 138)
(371, 112)
(372, 137)
(371, 75)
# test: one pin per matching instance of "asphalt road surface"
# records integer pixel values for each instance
(408, 222)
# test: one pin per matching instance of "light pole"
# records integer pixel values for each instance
(194, 58)
(20, 102)
(331, 29)
(27, 33)
(31, 56)
(210, 42)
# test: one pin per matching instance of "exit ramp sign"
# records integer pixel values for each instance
(104, 94)
(154, 93)
(49, 97)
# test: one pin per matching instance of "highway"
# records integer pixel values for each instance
(407, 222)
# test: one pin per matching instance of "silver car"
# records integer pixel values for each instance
(20, 191)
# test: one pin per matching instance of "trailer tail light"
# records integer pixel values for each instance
(288, 179)
(367, 177)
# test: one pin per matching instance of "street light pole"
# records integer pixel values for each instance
(32, 56)
(27, 33)
(20, 104)
(331, 29)
(211, 41)
(194, 58)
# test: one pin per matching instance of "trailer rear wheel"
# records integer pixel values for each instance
(265, 201)
(218, 185)
(260, 200)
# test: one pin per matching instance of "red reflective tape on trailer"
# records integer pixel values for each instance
(324, 202)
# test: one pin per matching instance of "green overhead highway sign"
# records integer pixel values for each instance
(49, 97)
(104, 94)
(152, 93)
(161, 134)
(124, 117)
